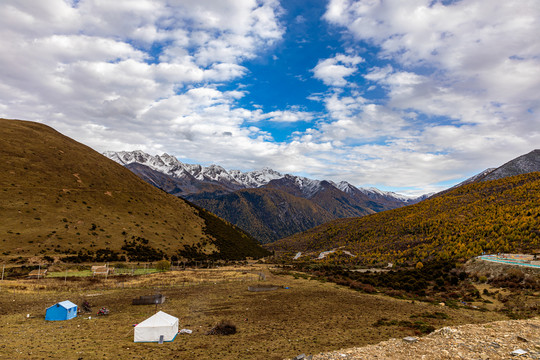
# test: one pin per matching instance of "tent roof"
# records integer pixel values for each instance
(65, 304)
(159, 319)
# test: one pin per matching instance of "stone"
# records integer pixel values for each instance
(410, 339)
(518, 352)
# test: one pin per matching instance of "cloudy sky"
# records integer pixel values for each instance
(411, 96)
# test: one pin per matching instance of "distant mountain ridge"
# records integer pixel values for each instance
(523, 164)
(265, 203)
(169, 165)
(236, 179)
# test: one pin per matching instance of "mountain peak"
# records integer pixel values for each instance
(236, 179)
(521, 165)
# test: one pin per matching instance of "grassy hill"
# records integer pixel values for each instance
(494, 216)
(60, 197)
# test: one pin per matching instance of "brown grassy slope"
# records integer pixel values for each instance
(57, 194)
(494, 216)
(309, 317)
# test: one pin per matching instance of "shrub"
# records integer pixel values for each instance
(163, 265)
(224, 327)
(356, 285)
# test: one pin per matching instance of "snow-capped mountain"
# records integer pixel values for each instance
(255, 179)
(374, 193)
(264, 202)
(169, 165)
(236, 179)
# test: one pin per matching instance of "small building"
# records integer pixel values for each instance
(64, 310)
(159, 327)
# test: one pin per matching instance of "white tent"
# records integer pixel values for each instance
(151, 329)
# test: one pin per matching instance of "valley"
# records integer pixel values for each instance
(269, 180)
(267, 204)
(305, 315)
(392, 267)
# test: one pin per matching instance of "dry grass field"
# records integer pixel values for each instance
(308, 317)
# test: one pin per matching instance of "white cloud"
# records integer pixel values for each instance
(480, 48)
(284, 116)
(461, 81)
(89, 69)
(469, 71)
(333, 71)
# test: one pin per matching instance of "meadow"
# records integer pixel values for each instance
(303, 316)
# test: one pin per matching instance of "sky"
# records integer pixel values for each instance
(408, 96)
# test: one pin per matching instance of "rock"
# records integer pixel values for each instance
(300, 357)
(518, 352)
(410, 339)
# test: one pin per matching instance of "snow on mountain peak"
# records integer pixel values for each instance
(237, 179)
(345, 187)
(256, 178)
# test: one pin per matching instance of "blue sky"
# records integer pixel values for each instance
(410, 96)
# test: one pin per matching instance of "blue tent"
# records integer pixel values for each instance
(64, 310)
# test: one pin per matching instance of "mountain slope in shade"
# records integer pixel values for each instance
(59, 197)
(492, 216)
(185, 185)
(323, 193)
(267, 214)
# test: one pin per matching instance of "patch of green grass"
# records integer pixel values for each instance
(87, 273)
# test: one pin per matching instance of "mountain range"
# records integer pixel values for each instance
(61, 198)
(267, 204)
(495, 211)
(523, 164)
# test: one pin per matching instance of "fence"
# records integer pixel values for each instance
(65, 280)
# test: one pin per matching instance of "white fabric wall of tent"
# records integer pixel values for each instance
(155, 326)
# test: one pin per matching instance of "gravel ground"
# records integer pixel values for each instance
(496, 340)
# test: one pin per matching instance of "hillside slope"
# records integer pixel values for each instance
(493, 216)
(60, 197)
(267, 214)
